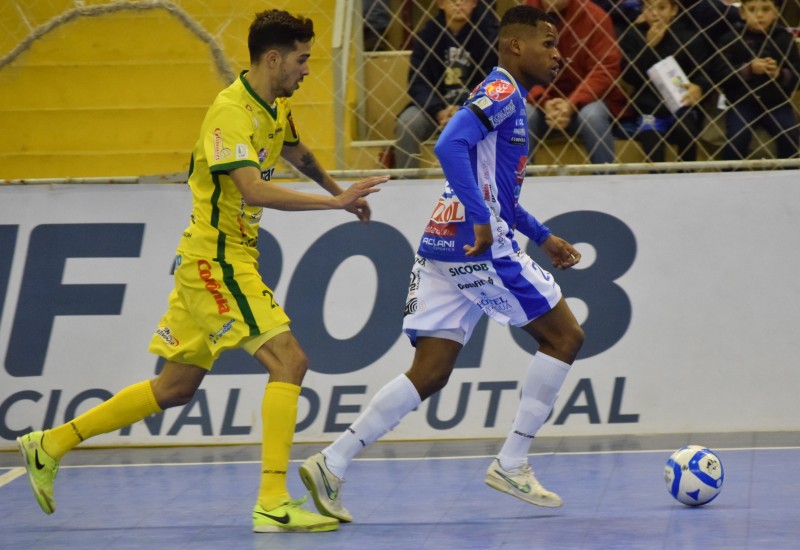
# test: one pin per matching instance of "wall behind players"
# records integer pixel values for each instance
(686, 292)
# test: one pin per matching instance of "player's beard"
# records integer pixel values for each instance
(287, 88)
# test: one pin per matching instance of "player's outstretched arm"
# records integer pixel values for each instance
(303, 159)
(561, 253)
(257, 192)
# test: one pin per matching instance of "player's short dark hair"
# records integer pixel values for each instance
(524, 15)
(277, 29)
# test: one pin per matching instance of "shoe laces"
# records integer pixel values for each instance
(526, 471)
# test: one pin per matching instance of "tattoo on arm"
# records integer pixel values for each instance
(308, 165)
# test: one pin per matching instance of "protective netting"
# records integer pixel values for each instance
(700, 37)
(353, 109)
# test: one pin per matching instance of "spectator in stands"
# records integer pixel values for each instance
(449, 58)
(758, 70)
(377, 18)
(711, 19)
(707, 19)
(623, 13)
(585, 98)
(660, 33)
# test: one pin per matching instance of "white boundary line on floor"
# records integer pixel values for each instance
(20, 471)
(11, 475)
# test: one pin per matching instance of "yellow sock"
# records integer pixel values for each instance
(278, 419)
(128, 406)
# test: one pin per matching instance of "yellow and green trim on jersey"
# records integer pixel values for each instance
(239, 130)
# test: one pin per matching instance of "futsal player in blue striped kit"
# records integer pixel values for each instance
(469, 264)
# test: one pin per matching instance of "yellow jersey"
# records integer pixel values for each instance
(239, 129)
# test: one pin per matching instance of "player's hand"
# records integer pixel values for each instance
(483, 240)
(352, 198)
(561, 253)
(361, 210)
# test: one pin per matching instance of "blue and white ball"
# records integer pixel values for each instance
(694, 475)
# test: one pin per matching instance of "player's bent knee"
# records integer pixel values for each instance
(176, 384)
(300, 365)
(290, 368)
(173, 396)
(428, 382)
(438, 382)
(578, 336)
(571, 342)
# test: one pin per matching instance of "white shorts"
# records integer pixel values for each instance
(447, 299)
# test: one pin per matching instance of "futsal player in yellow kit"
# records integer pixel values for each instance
(220, 300)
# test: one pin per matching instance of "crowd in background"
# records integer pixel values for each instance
(738, 60)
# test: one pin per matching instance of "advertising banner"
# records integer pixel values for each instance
(687, 293)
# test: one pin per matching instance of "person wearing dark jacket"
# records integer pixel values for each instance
(450, 56)
(660, 33)
(758, 70)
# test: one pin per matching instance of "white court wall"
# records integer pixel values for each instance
(687, 292)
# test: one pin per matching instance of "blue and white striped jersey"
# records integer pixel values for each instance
(483, 151)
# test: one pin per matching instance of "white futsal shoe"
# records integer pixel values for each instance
(324, 487)
(521, 483)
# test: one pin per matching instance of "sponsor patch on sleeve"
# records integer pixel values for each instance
(499, 90)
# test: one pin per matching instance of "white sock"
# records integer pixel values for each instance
(543, 380)
(392, 402)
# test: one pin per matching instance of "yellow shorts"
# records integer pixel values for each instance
(216, 306)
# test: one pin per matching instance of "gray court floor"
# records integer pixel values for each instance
(427, 494)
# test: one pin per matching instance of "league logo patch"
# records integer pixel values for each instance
(483, 102)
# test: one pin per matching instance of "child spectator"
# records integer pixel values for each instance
(710, 18)
(658, 34)
(758, 70)
(450, 56)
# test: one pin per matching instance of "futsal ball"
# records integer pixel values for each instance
(694, 475)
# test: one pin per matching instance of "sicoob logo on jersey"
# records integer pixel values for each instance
(499, 90)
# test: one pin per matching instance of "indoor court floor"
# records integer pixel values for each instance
(417, 495)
